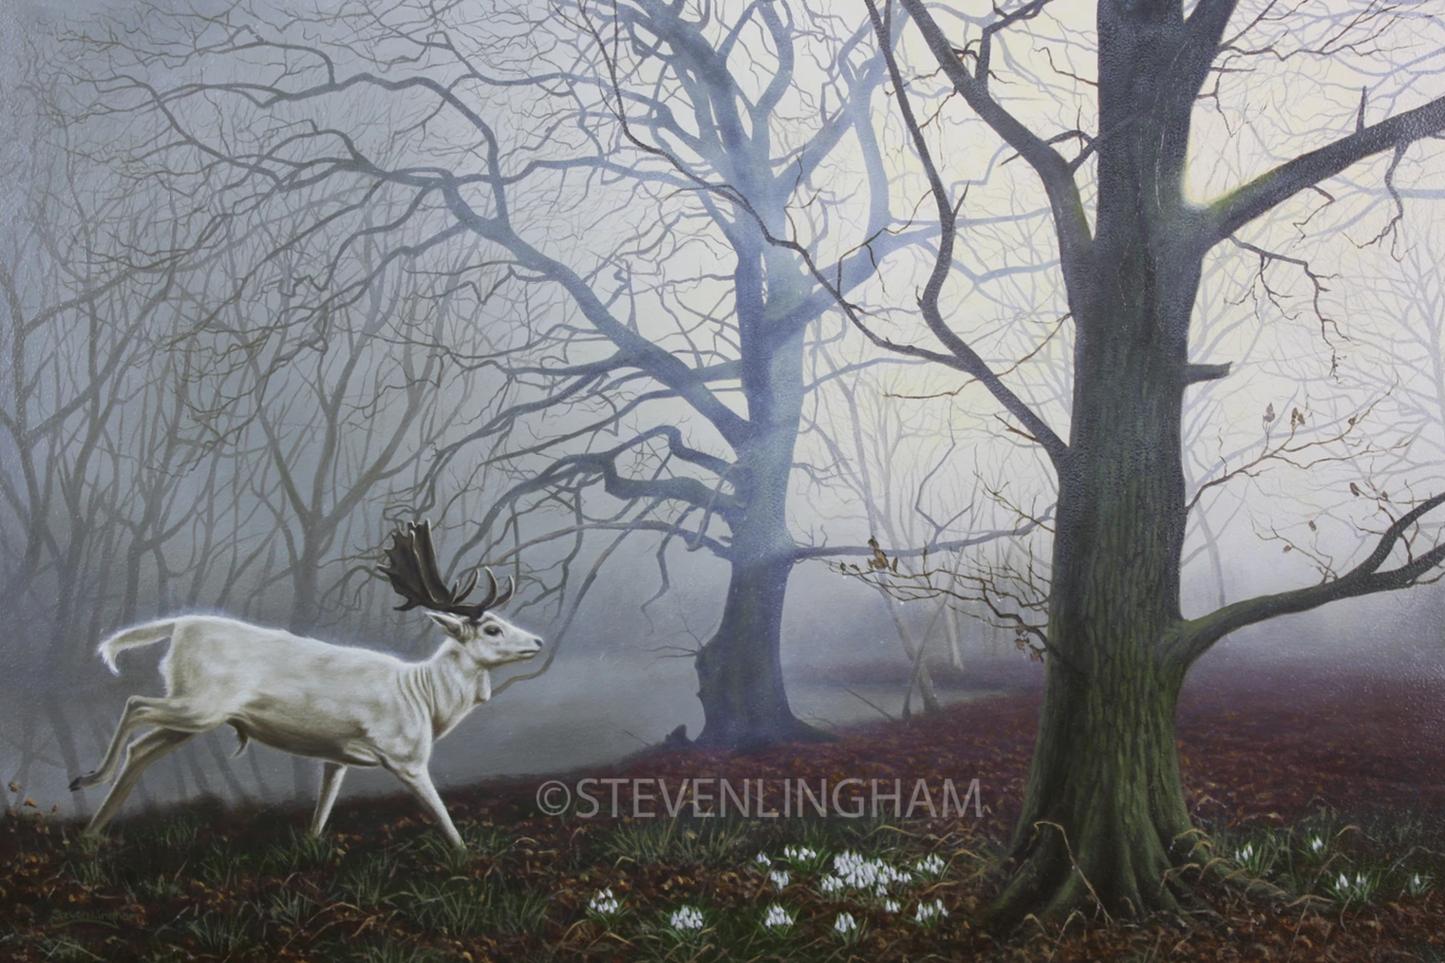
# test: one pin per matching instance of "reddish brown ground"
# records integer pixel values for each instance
(1270, 748)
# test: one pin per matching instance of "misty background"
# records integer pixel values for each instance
(236, 356)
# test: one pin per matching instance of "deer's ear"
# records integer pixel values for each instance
(450, 624)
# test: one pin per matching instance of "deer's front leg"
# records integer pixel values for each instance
(416, 778)
(331, 774)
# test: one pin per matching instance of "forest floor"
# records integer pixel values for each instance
(1328, 785)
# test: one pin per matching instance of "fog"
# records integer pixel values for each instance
(254, 320)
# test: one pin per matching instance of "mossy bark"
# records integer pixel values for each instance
(1104, 817)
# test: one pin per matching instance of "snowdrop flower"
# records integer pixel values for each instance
(779, 877)
(778, 918)
(930, 865)
(763, 861)
(856, 872)
(1243, 855)
(831, 884)
(685, 918)
(799, 854)
(603, 903)
(929, 913)
(846, 925)
(890, 906)
(1316, 845)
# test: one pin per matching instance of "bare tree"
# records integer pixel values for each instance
(694, 138)
(1104, 821)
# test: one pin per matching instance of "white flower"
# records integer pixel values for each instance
(779, 877)
(831, 884)
(603, 903)
(929, 913)
(778, 918)
(846, 924)
(1316, 844)
(856, 872)
(1243, 855)
(930, 865)
(799, 854)
(890, 906)
(685, 918)
(763, 861)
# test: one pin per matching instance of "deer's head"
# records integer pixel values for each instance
(411, 566)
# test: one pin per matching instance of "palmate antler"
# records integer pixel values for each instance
(411, 566)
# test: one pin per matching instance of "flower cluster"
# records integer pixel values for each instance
(851, 871)
(1358, 890)
(603, 903)
(780, 878)
(846, 925)
(778, 918)
(1255, 860)
(931, 866)
(930, 913)
(799, 854)
(685, 918)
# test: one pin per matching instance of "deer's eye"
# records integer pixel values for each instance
(493, 630)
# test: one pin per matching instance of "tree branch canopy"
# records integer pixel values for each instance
(1075, 239)
(1196, 636)
(1242, 205)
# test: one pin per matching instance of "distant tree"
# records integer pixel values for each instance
(627, 167)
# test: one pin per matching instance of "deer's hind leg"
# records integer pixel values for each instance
(143, 711)
(141, 753)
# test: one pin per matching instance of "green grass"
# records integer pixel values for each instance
(393, 952)
(1327, 857)
(523, 890)
(368, 882)
(300, 852)
(461, 907)
(218, 933)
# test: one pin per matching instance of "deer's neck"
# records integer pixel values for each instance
(454, 683)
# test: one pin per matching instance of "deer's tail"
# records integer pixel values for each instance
(147, 634)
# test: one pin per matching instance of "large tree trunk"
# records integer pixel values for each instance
(740, 670)
(1104, 816)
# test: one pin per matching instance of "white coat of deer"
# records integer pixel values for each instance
(343, 705)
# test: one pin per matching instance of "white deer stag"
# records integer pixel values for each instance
(343, 705)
